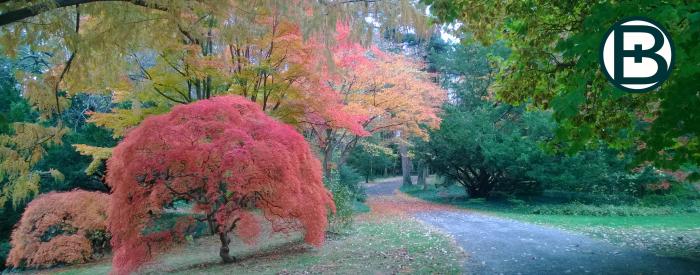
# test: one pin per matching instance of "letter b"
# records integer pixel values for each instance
(638, 53)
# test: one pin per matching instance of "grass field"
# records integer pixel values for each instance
(676, 234)
(384, 246)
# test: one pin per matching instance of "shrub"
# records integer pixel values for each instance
(557, 196)
(61, 228)
(579, 209)
(344, 199)
(678, 194)
(349, 177)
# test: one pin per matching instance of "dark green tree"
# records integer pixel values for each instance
(554, 65)
(66, 159)
(482, 145)
(488, 146)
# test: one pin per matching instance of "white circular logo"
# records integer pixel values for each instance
(636, 54)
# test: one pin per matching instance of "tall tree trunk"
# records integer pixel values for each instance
(422, 174)
(405, 164)
(328, 154)
(224, 251)
(346, 150)
(327, 164)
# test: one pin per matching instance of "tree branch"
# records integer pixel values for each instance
(66, 68)
(34, 10)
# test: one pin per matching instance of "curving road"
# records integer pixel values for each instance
(503, 246)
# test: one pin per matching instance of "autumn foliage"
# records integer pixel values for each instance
(59, 228)
(385, 92)
(226, 157)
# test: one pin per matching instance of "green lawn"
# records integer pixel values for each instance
(676, 234)
(382, 247)
(674, 221)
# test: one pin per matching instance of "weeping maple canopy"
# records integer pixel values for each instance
(59, 228)
(228, 158)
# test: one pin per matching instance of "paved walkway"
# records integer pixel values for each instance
(504, 246)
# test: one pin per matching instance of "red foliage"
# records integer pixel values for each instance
(227, 157)
(248, 228)
(54, 229)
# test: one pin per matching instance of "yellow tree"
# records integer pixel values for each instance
(271, 63)
(177, 49)
(153, 54)
(18, 155)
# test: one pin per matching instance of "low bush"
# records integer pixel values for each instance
(61, 228)
(580, 209)
(352, 179)
(679, 194)
(562, 203)
(558, 197)
(344, 199)
(348, 195)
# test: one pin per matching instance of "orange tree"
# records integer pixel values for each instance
(389, 93)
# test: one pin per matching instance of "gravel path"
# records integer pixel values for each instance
(383, 188)
(504, 246)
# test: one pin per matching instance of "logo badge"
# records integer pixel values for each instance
(636, 54)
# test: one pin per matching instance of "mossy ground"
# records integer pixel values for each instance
(377, 244)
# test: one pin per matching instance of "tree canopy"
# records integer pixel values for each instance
(489, 146)
(150, 55)
(226, 157)
(554, 65)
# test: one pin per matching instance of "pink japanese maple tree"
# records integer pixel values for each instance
(226, 157)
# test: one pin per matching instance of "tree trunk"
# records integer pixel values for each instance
(481, 187)
(405, 164)
(210, 223)
(327, 155)
(224, 251)
(422, 174)
(475, 192)
(345, 152)
(19, 14)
